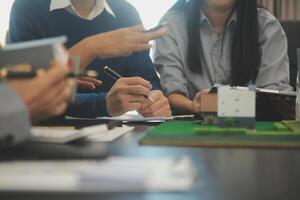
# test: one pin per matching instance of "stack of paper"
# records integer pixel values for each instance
(61, 135)
(109, 135)
(111, 175)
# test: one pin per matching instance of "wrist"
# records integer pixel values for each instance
(89, 47)
(192, 107)
(99, 45)
(107, 106)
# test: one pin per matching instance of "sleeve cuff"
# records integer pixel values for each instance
(170, 88)
(88, 105)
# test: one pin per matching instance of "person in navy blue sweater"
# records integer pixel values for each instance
(103, 33)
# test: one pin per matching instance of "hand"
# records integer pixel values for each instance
(88, 83)
(127, 94)
(123, 42)
(45, 96)
(159, 108)
(197, 101)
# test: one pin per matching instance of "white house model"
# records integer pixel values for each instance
(236, 107)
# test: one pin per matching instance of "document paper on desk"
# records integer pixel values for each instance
(110, 135)
(61, 135)
(134, 116)
(112, 175)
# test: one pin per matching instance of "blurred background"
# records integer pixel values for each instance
(151, 13)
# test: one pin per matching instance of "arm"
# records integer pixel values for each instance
(274, 69)
(141, 65)
(126, 94)
(120, 42)
(171, 70)
(182, 104)
(14, 120)
(39, 98)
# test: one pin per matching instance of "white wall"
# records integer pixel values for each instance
(150, 10)
(5, 6)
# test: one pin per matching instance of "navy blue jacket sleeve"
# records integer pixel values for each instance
(88, 105)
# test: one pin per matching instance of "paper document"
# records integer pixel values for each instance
(134, 116)
(112, 175)
(110, 135)
(61, 135)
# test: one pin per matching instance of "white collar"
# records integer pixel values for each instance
(67, 4)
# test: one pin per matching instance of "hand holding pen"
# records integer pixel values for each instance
(85, 79)
(6, 73)
(126, 94)
(115, 76)
(45, 96)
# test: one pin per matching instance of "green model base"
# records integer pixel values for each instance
(185, 133)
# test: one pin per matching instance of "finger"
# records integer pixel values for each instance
(136, 81)
(146, 37)
(155, 96)
(137, 28)
(156, 106)
(142, 47)
(135, 98)
(197, 107)
(198, 97)
(55, 93)
(62, 98)
(95, 81)
(146, 104)
(161, 112)
(86, 85)
(165, 112)
(60, 109)
(42, 102)
(135, 90)
(55, 74)
(133, 106)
